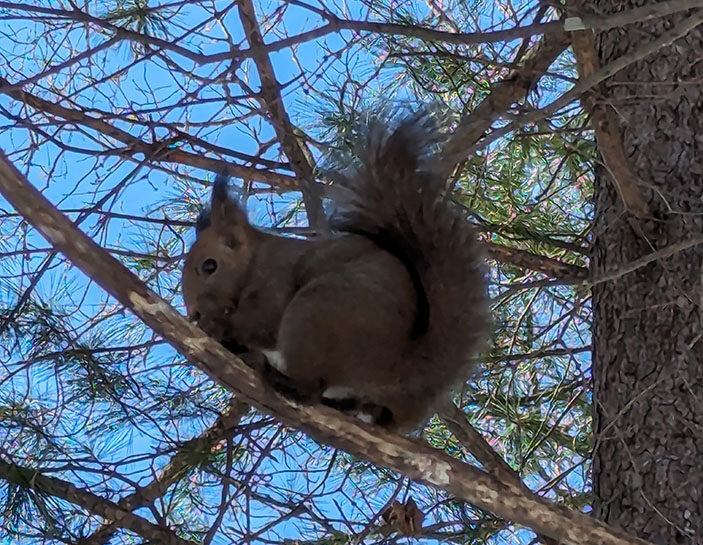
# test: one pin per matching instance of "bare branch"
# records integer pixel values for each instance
(299, 156)
(335, 24)
(456, 421)
(145, 495)
(587, 83)
(607, 131)
(34, 480)
(156, 151)
(518, 83)
(548, 353)
(527, 260)
(646, 260)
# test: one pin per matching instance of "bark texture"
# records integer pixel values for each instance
(648, 343)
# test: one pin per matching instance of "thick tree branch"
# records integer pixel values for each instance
(33, 479)
(416, 461)
(606, 129)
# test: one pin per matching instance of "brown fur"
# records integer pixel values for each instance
(386, 312)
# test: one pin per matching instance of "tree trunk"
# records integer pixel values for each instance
(647, 336)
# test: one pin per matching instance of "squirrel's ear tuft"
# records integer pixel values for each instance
(225, 212)
(219, 187)
(203, 221)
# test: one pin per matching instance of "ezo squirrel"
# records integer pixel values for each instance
(380, 319)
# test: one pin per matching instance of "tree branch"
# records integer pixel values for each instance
(528, 260)
(270, 96)
(336, 24)
(181, 461)
(565, 272)
(687, 25)
(456, 421)
(547, 353)
(158, 151)
(33, 479)
(416, 461)
(607, 132)
(645, 260)
(518, 83)
(465, 433)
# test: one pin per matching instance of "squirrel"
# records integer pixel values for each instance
(379, 319)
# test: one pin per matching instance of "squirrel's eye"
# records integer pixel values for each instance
(209, 266)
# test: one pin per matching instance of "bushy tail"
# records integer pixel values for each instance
(395, 198)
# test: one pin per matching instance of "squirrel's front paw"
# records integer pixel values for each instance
(234, 347)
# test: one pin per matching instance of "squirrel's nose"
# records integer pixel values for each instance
(194, 316)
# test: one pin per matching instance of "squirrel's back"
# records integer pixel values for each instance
(395, 197)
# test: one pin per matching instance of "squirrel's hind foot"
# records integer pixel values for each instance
(344, 405)
(376, 414)
(307, 394)
(371, 413)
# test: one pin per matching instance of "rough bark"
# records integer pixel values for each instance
(648, 345)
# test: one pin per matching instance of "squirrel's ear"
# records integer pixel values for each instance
(225, 212)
